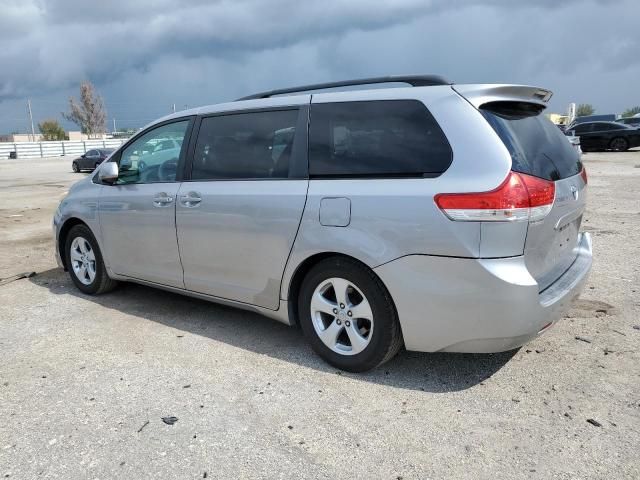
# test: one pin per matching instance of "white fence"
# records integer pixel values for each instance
(54, 149)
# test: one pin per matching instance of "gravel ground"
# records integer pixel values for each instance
(85, 381)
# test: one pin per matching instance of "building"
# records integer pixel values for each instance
(558, 118)
(21, 137)
(73, 135)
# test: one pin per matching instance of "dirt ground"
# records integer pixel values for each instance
(85, 381)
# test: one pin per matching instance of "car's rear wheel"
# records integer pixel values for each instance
(75, 167)
(619, 144)
(348, 316)
(96, 165)
(84, 262)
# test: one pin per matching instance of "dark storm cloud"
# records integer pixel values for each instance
(200, 51)
(62, 40)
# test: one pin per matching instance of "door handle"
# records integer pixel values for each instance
(162, 199)
(191, 199)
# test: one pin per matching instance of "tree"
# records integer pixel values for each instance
(89, 114)
(51, 130)
(585, 109)
(630, 112)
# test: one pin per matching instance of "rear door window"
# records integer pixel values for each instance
(583, 128)
(536, 145)
(376, 139)
(255, 145)
(603, 127)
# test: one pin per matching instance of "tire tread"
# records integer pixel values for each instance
(393, 330)
(104, 282)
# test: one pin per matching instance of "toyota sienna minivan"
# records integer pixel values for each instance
(433, 216)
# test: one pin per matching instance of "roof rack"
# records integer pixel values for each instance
(413, 80)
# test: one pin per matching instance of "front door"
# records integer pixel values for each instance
(238, 215)
(583, 130)
(137, 213)
(89, 159)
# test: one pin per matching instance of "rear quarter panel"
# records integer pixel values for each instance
(391, 218)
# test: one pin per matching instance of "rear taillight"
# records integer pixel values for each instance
(520, 197)
(583, 174)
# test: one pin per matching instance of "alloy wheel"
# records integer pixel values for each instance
(619, 144)
(342, 316)
(83, 260)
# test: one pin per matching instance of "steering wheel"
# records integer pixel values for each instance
(168, 170)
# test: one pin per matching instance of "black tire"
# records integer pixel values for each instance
(96, 165)
(619, 144)
(386, 336)
(101, 283)
(75, 167)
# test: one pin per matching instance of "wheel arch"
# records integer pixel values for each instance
(62, 237)
(293, 290)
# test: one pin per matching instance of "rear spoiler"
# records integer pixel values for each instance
(479, 95)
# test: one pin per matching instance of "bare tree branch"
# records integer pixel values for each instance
(89, 114)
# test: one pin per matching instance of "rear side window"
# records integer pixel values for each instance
(582, 128)
(376, 138)
(245, 145)
(536, 145)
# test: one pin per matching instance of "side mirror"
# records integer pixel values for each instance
(84, 155)
(108, 172)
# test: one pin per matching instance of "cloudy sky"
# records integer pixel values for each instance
(145, 55)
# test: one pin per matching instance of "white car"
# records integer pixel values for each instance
(156, 152)
(574, 141)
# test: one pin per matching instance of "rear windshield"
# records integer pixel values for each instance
(536, 145)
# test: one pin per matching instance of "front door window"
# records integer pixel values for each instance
(154, 156)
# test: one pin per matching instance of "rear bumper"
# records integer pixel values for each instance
(478, 305)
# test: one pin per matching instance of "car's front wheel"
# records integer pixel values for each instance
(84, 262)
(75, 167)
(348, 316)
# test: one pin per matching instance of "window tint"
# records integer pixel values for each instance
(143, 162)
(376, 138)
(582, 128)
(245, 145)
(91, 153)
(536, 145)
(629, 121)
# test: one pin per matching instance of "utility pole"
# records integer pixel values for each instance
(33, 130)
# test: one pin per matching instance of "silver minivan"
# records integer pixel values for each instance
(433, 216)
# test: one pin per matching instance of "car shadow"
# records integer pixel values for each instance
(429, 372)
